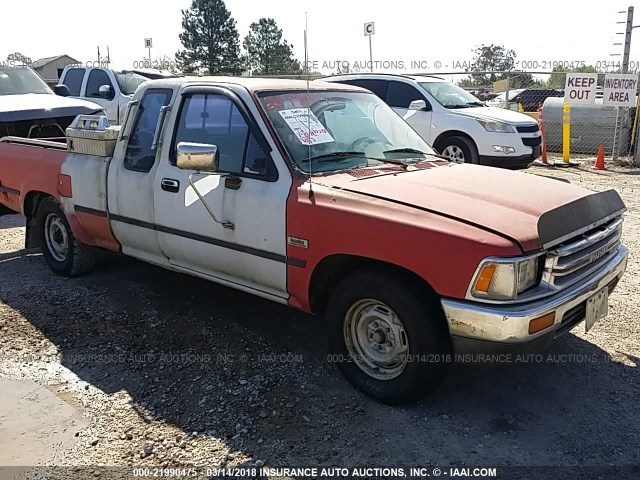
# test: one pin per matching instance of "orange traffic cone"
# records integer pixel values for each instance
(544, 137)
(600, 159)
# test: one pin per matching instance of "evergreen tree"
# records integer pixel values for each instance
(267, 52)
(210, 40)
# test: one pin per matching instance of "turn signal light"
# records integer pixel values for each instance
(484, 279)
(538, 324)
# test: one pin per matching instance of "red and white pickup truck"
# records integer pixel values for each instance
(321, 197)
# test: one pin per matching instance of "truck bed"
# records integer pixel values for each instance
(28, 165)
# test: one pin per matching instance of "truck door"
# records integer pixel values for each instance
(97, 78)
(131, 181)
(399, 97)
(232, 228)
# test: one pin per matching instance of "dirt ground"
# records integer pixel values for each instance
(152, 368)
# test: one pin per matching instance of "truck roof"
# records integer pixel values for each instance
(254, 84)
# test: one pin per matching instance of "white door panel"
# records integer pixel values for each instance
(420, 121)
(252, 254)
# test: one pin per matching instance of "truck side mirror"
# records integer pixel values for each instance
(106, 92)
(61, 90)
(202, 157)
(419, 105)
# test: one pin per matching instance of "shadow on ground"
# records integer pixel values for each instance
(210, 359)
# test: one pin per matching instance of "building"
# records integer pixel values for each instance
(50, 68)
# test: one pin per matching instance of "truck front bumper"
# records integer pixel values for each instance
(477, 328)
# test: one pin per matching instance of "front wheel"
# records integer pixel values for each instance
(459, 150)
(387, 338)
(61, 250)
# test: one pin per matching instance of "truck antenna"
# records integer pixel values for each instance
(306, 68)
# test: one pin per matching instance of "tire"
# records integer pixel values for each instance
(373, 300)
(61, 250)
(459, 150)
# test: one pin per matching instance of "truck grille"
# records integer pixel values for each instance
(581, 256)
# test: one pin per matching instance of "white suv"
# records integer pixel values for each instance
(453, 121)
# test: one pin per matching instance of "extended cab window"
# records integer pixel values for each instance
(73, 80)
(97, 78)
(139, 156)
(214, 119)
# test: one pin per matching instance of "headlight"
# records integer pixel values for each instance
(505, 279)
(496, 127)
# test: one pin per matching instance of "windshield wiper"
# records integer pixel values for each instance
(451, 107)
(332, 157)
(413, 150)
(340, 156)
(476, 104)
(405, 150)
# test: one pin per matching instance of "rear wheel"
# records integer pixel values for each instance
(390, 341)
(61, 250)
(459, 150)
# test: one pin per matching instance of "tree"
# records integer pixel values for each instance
(501, 62)
(18, 57)
(210, 40)
(492, 58)
(558, 78)
(267, 52)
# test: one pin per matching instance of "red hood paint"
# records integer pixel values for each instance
(503, 201)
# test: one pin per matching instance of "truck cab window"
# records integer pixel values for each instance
(139, 156)
(97, 78)
(73, 80)
(214, 119)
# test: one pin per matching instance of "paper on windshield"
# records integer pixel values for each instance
(306, 126)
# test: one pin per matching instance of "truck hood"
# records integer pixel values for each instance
(499, 114)
(32, 106)
(530, 210)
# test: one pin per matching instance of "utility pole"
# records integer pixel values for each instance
(627, 41)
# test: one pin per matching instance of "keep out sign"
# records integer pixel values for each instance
(580, 88)
(620, 89)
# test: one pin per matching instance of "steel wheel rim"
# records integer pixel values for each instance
(454, 153)
(376, 339)
(56, 237)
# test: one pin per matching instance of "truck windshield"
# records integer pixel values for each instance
(21, 80)
(129, 82)
(338, 130)
(450, 95)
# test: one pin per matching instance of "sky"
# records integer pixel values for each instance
(407, 31)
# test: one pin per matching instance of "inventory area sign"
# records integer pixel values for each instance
(580, 88)
(620, 89)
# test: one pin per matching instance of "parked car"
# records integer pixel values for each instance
(454, 122)
(30, 109)
(324, 199)
(112, 89)
(529, 99)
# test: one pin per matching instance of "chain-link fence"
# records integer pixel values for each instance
(541, 96)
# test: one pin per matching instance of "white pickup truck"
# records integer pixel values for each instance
(112, 89)
(324, 199)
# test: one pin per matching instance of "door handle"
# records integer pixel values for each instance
(232, 182)
(170, 185)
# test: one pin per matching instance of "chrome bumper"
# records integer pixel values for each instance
(510, 324)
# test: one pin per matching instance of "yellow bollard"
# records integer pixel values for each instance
(520, 108)
(566, 133)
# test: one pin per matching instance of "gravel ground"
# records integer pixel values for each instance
(169, 370)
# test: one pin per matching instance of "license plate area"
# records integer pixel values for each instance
(597, 308)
